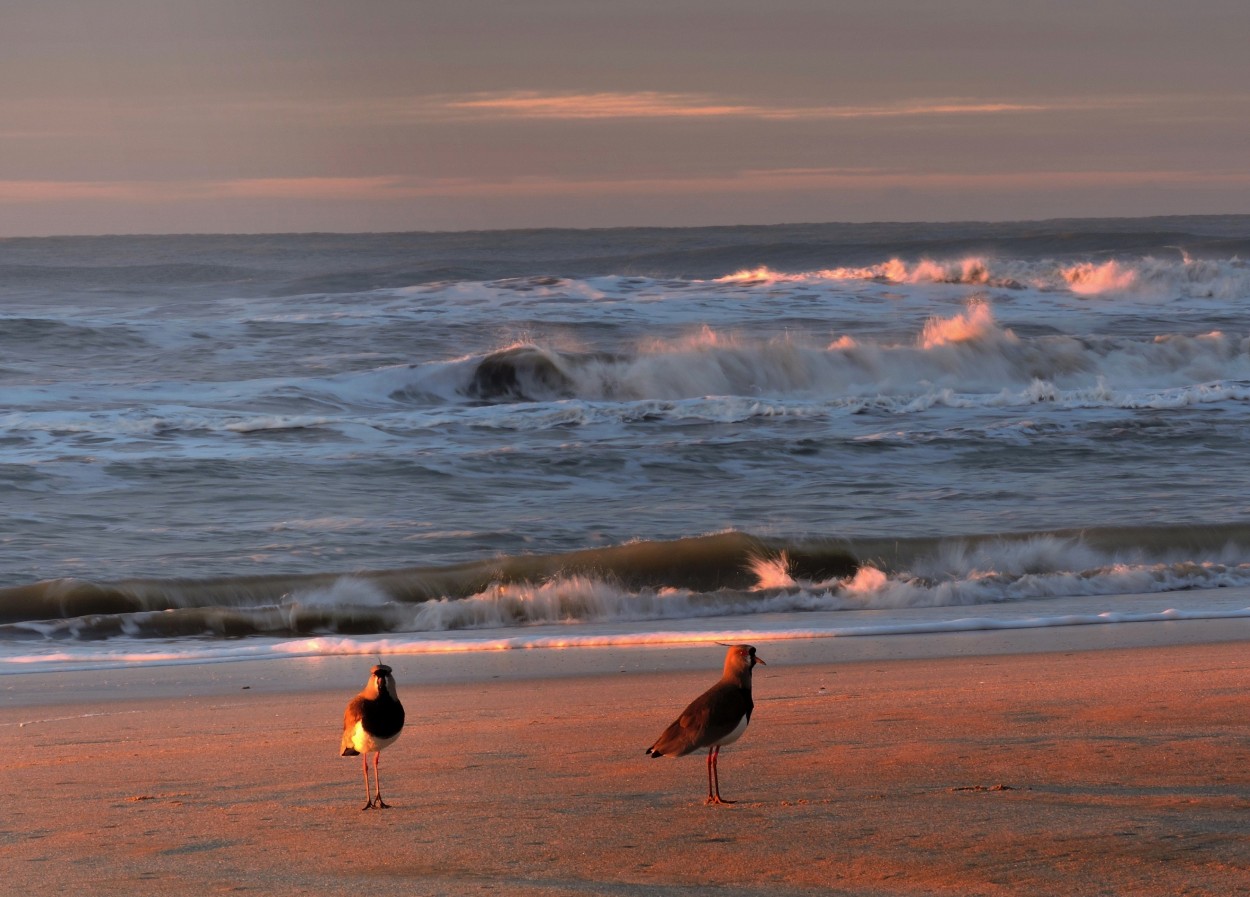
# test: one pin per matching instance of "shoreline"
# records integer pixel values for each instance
(300, 673)
(1116, 770)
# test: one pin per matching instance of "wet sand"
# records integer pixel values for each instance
(1115, 771)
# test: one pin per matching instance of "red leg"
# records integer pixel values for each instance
(714, 778)
(364, 763)
(377, 782)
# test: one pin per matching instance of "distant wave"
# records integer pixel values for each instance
(967, 359)
(722, 575)
(1163, 278)
(125, 276)
(969, 353)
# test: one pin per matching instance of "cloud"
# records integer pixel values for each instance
(389, 189)
(321, 188)
(776, 181)
(655, 105)
(307, 188)
(16, 192)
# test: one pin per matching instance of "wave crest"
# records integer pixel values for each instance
(725, 575)
(1147, 276)
(968, 353)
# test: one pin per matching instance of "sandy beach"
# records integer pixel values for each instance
(1123, 770)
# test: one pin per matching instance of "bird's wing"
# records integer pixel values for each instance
(710, 717)
(724, 711)
(352, 715)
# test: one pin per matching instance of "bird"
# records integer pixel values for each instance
(715, 718)
(372, 721)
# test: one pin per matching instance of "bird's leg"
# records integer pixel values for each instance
(364, 763)
(713, 778)
(378, 802)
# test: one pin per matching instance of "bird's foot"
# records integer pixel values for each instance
(717, 800)
(381, 804)
(368, 806)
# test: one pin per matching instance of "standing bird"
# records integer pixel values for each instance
(718, 716)
(373, 719)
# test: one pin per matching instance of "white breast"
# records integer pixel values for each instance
(363, 742)
(736, 733)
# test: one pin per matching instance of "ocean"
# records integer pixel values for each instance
(216, 448)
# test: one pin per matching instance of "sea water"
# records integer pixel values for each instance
(215, 447)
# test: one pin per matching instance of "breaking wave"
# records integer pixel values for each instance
(969, 353)
(1143, 277)
(712, 576)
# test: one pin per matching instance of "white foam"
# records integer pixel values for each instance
(1024, 592)
(940, 334)
(1149, 279)
(126, 653)
(967, 359)
(346, 591)
(852, 362)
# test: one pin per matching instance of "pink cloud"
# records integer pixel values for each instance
(653, 104)
(400, 188)
(62, 191)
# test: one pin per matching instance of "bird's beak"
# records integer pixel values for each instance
(760, 660)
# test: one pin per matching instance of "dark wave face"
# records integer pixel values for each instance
(729, 573)
(247, 605)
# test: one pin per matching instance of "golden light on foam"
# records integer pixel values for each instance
(866, 580)
(759, 275)
(973, 270)
(703, 339)
(895, 270)
(970, 270)
(772, 572)
(976, 323)
(763, 275)
(1088, 279)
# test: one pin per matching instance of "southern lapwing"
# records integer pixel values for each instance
(717, 717)
(373, 719)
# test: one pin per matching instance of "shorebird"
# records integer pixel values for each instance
(373, 719)
(717, 717)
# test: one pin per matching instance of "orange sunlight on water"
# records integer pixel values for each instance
(1089, 279)
(772, 572)
(976, 323)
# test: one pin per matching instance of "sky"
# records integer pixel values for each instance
(244, 116)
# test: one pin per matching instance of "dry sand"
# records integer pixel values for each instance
(1120, 771)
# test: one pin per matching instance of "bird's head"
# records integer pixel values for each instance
(381, 679)
(741, 659)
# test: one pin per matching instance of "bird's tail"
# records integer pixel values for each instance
(350, 752)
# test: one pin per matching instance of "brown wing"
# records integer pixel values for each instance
(709, 718)
(352, 715)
